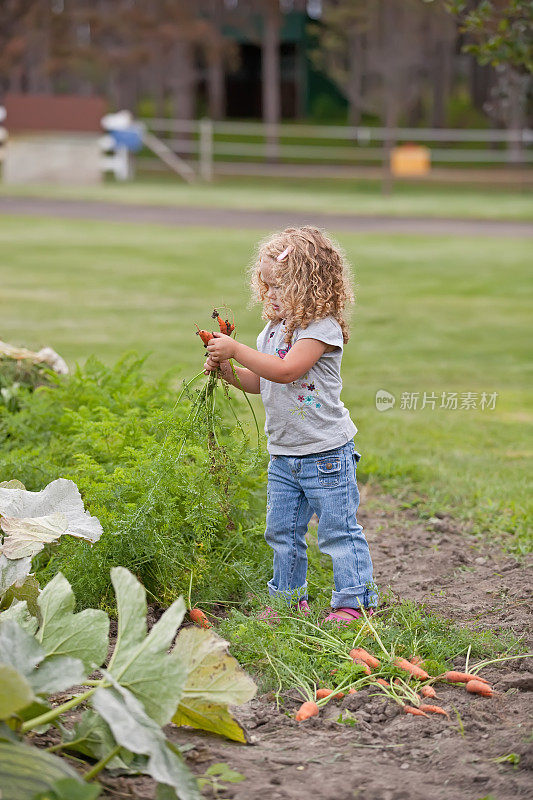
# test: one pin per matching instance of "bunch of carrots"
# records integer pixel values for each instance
(414, 699)
(207, 396)
(224, 325)
(399, 690)
(206, 401)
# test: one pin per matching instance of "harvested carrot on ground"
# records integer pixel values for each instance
(352, 691)
(306, 710)
(363, 664)
(478, 687)
(434, 710)
(412, 669)
(382, 682)
(428, 691)
(321, 693)
(461, 677)
(414, 711)
(416, 660)
(363, 655)
(198, 616)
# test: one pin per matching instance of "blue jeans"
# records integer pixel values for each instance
(325, 484)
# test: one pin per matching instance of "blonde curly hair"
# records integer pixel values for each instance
(314, 278)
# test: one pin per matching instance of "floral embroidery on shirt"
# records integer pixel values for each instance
(282, 352)
(305, 402)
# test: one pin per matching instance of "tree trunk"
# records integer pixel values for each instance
(391, 123)
(271, 94)
(441, 70)
(183, 80)
(37, 55)
(479, 83)
(517, 87)
(216, 85)
(355, 77)
(156, 81)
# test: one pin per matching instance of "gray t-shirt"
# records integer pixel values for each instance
(307, 415)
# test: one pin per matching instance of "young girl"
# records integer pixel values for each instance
(304, 285)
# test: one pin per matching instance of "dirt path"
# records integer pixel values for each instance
(387, 755)
(236, 218)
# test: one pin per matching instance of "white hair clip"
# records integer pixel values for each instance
(285, 253)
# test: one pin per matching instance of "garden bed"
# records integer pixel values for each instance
(363, 745)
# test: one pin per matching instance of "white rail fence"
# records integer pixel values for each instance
(206, 144)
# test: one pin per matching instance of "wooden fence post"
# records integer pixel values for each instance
(206, 149)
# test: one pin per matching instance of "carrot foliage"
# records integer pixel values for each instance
(140, 455)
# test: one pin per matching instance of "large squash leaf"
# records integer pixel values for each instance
(13, 484)
(70, 789)
(136, 731)
(26, 771)
(27, 591)
(141, 663)
(18, 611)
(26, 536)
(213, 717)
(29, 519)
(92, 737)
(64, 633)
(18, 648)
(15, 691)
(22, 652)
(13, 572)
(214, 682)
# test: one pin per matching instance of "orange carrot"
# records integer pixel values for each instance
(224, 324)
(478, 687)
(363, 664)
(321, 693)
(352, 691)
(414, 711)
(205, 336)
(412, 669)
(306, 710)
(363, 655)
(462, 677)
(382, 682)
(434, 710)
(416, 660)
(198, 616)
(428, 691)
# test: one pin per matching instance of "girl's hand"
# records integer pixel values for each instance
(211, 364)
(221, 346)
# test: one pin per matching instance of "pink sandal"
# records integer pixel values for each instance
(271, 616)
(333, 616)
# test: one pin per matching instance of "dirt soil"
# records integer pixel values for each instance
(387, 755)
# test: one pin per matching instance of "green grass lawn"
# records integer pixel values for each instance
(304, 195)
(433, 315)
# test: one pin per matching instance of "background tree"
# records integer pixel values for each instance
(500, 33)
(343, 38)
